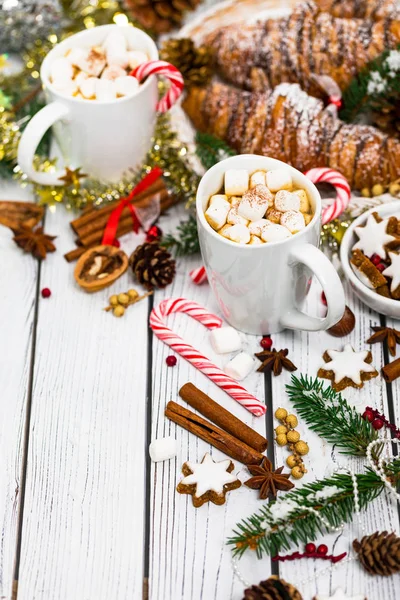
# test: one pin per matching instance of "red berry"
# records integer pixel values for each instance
(171, 361)
(46, 293)
(380, 266)
(397, 435)
(266, 343)
(322, 549)
(323, 298)
(310, 548)
(368, 414)
(116, 243)
(377, 423)
(376, 259)
(153, 234)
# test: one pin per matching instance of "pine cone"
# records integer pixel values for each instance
(159, 15)
(195, 64)
(152, 265)
(379, 553)
(272, 589)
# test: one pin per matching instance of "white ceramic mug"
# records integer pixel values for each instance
(105, 139)
(261, 288)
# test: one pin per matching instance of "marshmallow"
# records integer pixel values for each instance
(238, 233)
(274, 233)
(163, 449)
(305, 206)
(116, 49)
(224, 229)
(240, 366)
(115, 39)
(225, 339)
(279, 179)
(112, 72)
(126, 85)
(255, 203)
(75, 55)
(61, 71)
(293, 220)
(136, 57)
(92, 62)
(88, 87)
(219, 200)
(235, 201)
(285, 201)
(80, 78)
(236, 182)
(274, 215)
(216, 215)
(234, 218)
(256, 227)
(117, 58)
(105, 90)
(68, 88)
(257, 178)
(254, 241)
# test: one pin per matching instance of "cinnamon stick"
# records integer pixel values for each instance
(222, 417)
(213, 435)
(77, 252)
(391, 371)
(13, 213)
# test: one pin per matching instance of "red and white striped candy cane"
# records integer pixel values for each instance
(174, 76)
(341, 186)
(211, 321)
(198, 276)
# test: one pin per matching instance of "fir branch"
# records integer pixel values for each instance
(211, 149)
(185, 241)
(269, 531)
(327, 413)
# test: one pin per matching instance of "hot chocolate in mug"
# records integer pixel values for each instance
(105, 139)
(261, 288)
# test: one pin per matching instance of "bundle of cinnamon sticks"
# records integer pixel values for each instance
(226, 432)
(90, 226)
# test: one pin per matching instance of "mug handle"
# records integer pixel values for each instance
(30, 140)
(326, 274)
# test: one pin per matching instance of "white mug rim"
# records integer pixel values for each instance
(256, 247)
(61, 97)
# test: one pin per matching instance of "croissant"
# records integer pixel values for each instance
(290, 125)
(360, 9)
(298, 47)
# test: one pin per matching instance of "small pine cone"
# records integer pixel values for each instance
(159, 15)
(379, 553)
(195, 64)
(272, 589)
(152, 265)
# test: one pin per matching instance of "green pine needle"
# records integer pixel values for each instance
(211, 149)
(185, 241)
(327, 413)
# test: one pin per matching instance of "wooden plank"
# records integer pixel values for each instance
(83, 519)
(18, 276)
(188, 555)
(306, 351)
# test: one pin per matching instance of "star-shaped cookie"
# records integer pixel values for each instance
(340, 595)
(347, 368)
(373, 237)
(208, 481)
(393, 271)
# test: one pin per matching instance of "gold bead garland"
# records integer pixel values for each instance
(286, 435)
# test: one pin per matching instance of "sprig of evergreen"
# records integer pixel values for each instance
(186, 239)
(327, 413)
(211, 149)
(266, 534)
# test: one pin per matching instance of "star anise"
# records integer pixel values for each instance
(34, 241)
(275, 360)
(392, 337)
(268, 481)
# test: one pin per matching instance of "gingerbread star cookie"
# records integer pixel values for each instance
(340, 595)
(208, 481)
(375, 235)
(347, 368)
(366, 271)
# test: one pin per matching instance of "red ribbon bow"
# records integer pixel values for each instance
(110, 231)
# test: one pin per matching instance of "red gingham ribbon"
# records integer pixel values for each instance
(343, 192)
(174, 76)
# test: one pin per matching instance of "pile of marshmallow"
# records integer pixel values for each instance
(100, 72)
(260, 207)
(226, 340)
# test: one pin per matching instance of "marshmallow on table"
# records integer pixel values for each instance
(216, 215)
(305, 206)
(92, 62)
(136, 57)
(254, 241)
(256, 227)
(293, 220)
(234, 218)
(279, 179)
(240, 366)
(236, 182)
(105, 90)
(163, 449)
(225, 339)
(257, 178)
(112, 72)
(285, 201)
(88, 87)
(275, 233)
(238, 233)
(255, 203)
(126, 85)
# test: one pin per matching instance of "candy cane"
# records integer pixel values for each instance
(198, 276)
(161, 67)
(211, 321)
(341, 186)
